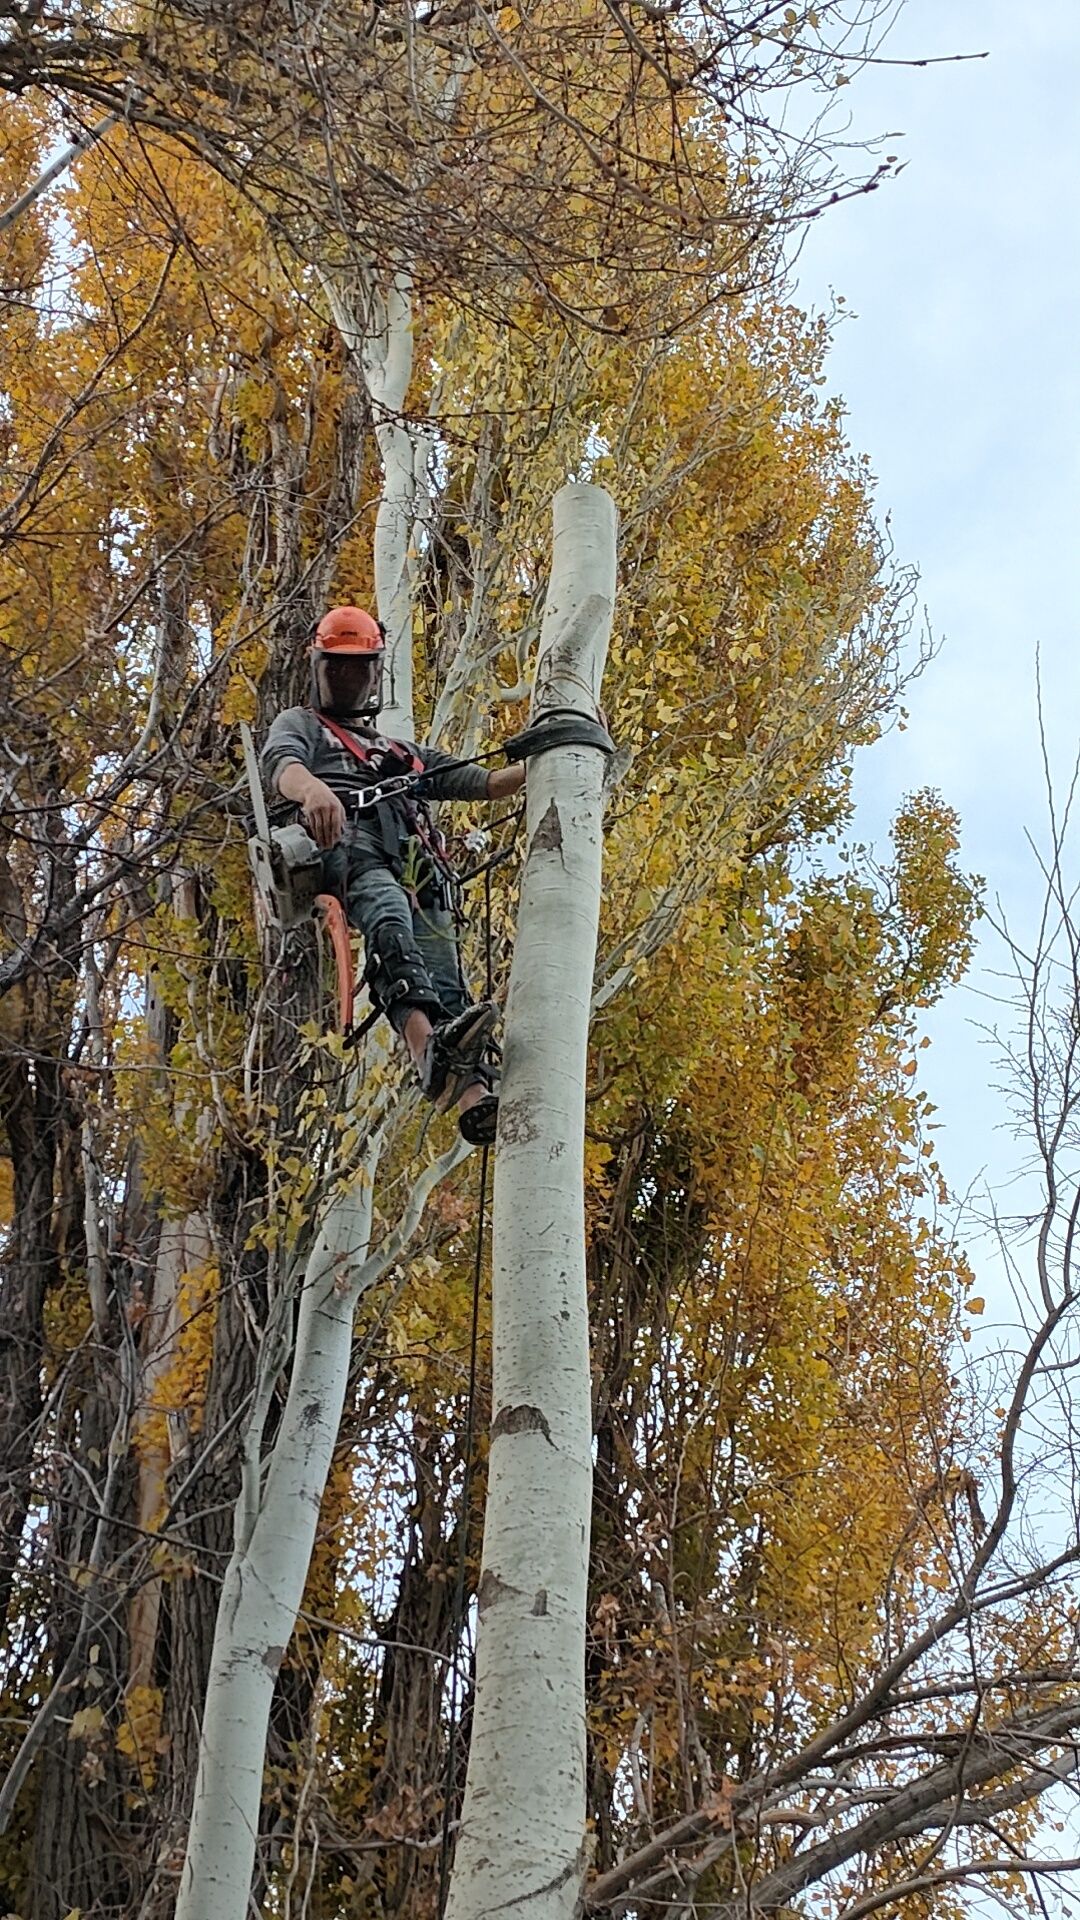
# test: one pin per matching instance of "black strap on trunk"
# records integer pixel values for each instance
(558, 727)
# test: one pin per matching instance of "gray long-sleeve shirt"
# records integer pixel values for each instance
(298, 734)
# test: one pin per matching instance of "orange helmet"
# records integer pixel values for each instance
(348, 630)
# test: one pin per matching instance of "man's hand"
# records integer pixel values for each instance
(324, 815)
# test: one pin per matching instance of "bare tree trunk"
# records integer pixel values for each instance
(264, 1583)
(34, 1038)
(29, 1111)
(56, 166)
(382, 343)
(276, 1519)
(522, 1841)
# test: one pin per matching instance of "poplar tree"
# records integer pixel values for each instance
(337, 309)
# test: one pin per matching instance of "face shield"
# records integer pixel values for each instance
(349, 683)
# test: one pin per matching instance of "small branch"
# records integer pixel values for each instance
(56, 167)
(971, 1869)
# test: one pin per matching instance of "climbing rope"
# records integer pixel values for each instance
(554, 727)
(489, 982)
(457, 1620)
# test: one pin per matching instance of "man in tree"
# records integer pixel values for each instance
(382, 857)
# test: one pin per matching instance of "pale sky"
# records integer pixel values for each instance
(961, 376)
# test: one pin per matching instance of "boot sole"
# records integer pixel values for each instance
(463, 1060)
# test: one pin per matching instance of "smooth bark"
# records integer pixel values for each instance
(276, 1519)
(265, 1579)
(522, 1838)
(382, 342)
(184, 1248)
(56, 166)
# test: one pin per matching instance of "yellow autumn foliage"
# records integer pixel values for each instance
(775, 1306)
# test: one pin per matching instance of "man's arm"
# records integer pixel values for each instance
(451, 779)
(503, 781)
(291, 746)
(324, 815)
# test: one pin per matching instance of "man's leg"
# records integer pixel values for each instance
(401, 982)
(437, 938)
(395, 970)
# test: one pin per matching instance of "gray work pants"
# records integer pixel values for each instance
(411, 950)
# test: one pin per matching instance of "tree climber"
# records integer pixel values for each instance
(384, 861)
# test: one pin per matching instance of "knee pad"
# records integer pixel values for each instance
(397, 978)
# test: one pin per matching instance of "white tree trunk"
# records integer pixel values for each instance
(264, 1582)
(386, 356)
(277, 1513)
(522, 1839)
(382, 340)
(275, 1533)
(184, 1247)
(56, 166)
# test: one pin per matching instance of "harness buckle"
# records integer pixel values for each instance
(365, 800)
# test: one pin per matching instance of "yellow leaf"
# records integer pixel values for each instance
(976, 1304)
(85, 1723)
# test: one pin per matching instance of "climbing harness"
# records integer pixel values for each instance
(287, 865)
(368, 798)
(375, 756)
(398, 806)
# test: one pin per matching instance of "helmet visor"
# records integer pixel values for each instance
(349, 682)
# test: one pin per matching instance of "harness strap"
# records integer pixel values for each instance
(396, 820)
(418, 822)
(385, 749)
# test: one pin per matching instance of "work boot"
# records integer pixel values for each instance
(453, 1050)
(479, 1122)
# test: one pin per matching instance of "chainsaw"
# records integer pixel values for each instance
(287, 869)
